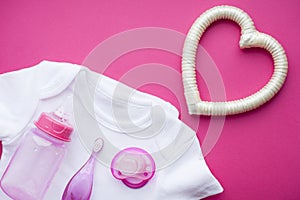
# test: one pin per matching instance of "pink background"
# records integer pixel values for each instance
(257, 155)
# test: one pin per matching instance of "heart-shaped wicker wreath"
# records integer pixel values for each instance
(250, 37)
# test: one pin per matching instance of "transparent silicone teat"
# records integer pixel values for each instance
(64, 112)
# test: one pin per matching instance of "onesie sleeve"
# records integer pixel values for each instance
(18, 99)
(189, 177)
(22, 90)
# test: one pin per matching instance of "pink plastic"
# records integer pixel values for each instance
(81, 184)
(34, 164)
(54, 127)
(134, 166)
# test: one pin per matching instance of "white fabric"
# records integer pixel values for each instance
(24, 94)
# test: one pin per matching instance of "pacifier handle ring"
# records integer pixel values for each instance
(135, 186)
(250, 37)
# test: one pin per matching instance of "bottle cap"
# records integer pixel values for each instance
(54, 126)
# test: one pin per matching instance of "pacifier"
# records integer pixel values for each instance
(133, 166)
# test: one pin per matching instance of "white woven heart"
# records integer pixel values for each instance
(250, 37)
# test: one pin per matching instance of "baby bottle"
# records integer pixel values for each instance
(37, 159)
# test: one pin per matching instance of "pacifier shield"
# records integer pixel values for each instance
(134, 166)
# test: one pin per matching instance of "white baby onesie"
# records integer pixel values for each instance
(121, 115)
